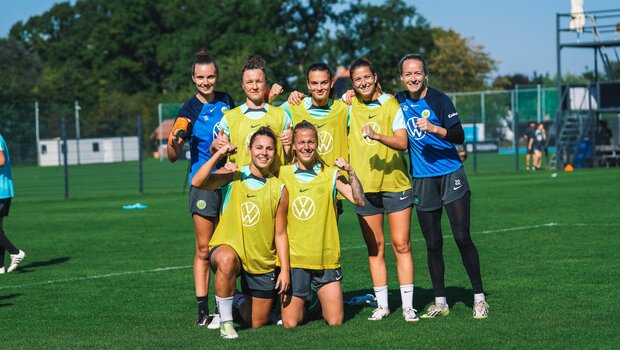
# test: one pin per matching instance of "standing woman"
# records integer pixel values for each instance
(314, 241)
(439, 179)
(251, 235)
(239, 124)
(6, 194)
(327, 115)
(198, 121)
(377, 138)
(537, 144)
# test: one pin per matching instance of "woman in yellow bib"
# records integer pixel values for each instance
(377, 137)
(312, 227)
(238, 124)
(251, 235)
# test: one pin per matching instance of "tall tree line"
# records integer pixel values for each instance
(120, 58)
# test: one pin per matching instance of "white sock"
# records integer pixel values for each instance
(406, 295)
(381, 293)
(479, 297)
(224, 306)
(441, 300)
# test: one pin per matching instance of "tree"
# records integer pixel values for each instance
(455, 64)
(384, 34)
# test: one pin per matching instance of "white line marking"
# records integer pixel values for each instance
(550, 224)
(95, 277)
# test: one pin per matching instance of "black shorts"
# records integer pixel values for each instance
(432, 193)
(385, 202)
(259, 285)
(256, 285)
(5, 205)
(301, 279)
(205, 202)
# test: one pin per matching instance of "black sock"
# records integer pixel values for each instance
(2, 257)
(6, 244)
(203, 306)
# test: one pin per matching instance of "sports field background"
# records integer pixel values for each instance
(100, 277)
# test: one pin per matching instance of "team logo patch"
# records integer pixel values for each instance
(216, 129)
(247, 140)
(377, 129)
(326, 142)
(250, 214)
(413, 131)
(201, 204)
(416, 200)
(426, 113)
(224, 109)
(303, 208)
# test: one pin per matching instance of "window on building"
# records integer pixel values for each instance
(43, 149)
(95, 146)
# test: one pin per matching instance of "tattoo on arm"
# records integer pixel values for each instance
(356, 189)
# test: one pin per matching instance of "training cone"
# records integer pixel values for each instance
(569, 168)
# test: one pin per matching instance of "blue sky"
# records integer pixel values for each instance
(520, 34)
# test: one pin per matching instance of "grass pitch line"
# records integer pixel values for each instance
(96, 277)
(519, 228)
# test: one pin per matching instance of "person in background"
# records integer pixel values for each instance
(7, 192)
(529, 154)
(537, 144)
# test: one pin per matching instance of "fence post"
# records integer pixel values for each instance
(77, 129)
(517, 136)
(36, 130)
(515, 140)
(63, 128)
(140, 175)
(475, 145)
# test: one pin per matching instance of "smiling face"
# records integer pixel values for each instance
(305, 144)
(364, 83)
(319, 85)
(262, 151)
(413, 76)
(205, 78)
(254, 84)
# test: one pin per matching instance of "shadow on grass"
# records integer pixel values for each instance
(36, 264)
(6, 297)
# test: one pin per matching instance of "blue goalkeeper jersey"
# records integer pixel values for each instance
(204, 127)
(430, 155)
(6, 176)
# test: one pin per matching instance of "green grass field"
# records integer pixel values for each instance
(98, 276)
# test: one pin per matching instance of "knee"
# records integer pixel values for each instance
(226, 263)
(258, 323)
(202, 252)
(402, 247)
(334, 320)
(464, 241)
(434, 245)
(290, 323)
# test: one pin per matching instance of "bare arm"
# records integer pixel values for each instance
(352, 190)
(203, 177)
(398, 141)
(2, 158)
(281, 240)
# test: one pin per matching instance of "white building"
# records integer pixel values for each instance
(95, 150)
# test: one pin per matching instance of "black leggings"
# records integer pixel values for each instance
(6, 244)
(430, 224)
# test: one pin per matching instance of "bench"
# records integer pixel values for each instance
(607, 155)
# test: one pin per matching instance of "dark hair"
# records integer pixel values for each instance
(203, 56)
(306, 125)
(322, 67)
(415, 57)
(263, 131)
(360, 63)
(253, 62)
